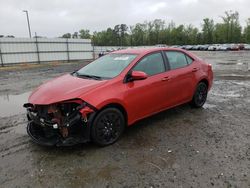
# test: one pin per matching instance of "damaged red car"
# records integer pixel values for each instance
(98, 101)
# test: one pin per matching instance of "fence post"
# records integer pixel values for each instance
(67, 47)
(37, 49)
(1, 56)
(93, 50)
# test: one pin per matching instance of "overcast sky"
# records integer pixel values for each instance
(52, 18)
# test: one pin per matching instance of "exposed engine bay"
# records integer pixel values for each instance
(60, 124)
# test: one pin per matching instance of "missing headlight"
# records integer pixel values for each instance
(65, 121)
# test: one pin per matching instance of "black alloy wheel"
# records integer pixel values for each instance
(200, 95)
(107, 126)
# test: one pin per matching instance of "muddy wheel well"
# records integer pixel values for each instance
(204, 81)
(119, 107)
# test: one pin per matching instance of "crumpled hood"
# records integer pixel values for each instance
(63, 88)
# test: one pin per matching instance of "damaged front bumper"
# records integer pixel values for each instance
(62, 124)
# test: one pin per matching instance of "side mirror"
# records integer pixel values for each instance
(138, 75)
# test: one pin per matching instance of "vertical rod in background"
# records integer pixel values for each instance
(1, 55)
(93, 46)
(28, 21)
(67, 47)
(37, 49)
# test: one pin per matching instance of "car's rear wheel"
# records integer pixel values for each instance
(107, 126)
(200, 95)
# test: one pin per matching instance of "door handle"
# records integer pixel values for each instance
(167, 78)
(195, 69)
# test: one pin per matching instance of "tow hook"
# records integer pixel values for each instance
(85, 111)
(85, 119)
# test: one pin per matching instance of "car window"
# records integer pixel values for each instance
(189, 60)
(151, 64)
(176, 59)
(108, 66)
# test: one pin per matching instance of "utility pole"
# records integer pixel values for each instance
(28, 20)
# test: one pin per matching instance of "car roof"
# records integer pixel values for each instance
(142, 51)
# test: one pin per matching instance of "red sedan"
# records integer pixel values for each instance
(98, 101)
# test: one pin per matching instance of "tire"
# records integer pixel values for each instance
(107, 126)
(200, 95)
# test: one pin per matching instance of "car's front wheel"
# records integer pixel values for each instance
(107, 126)
(200, 95)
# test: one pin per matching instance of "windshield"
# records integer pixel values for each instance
(106, 67)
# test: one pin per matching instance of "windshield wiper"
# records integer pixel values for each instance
(88, 76)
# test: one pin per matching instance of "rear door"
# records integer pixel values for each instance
(181, 83)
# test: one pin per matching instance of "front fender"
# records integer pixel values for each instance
(111, 101)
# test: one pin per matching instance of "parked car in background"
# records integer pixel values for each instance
(212, 48)
(234, 47)
(196, 47)
(204, 47)
(176, 46)
(247, 47)
(188, 47)
(241, 46)
(222, 47)
(98, 101)
(161, 45)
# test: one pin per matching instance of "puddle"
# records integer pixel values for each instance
(227, 63)
(228, 94)
(244, 84)
(240, 63)
(209, 106)
(13, 104)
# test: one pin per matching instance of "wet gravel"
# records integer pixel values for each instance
(181, 147)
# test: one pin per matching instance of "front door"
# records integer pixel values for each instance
(145, 97)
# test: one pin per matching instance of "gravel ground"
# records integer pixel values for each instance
(181, 147)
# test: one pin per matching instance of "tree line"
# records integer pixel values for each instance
(157, 31)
